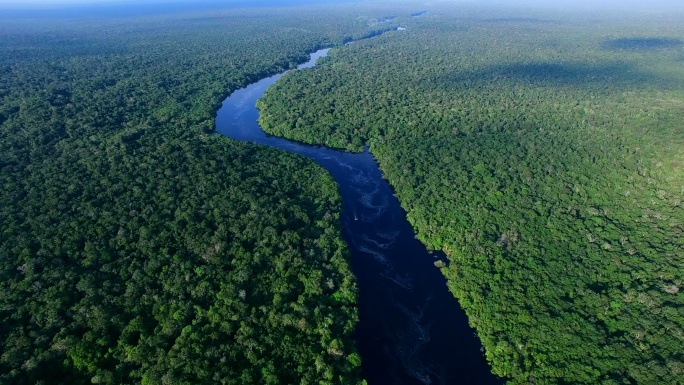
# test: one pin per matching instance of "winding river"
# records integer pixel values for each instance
(411, 329)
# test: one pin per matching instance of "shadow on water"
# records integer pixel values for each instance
(643, 43)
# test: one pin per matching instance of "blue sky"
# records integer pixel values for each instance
(53, 2)
(56, 3)
(617, 4)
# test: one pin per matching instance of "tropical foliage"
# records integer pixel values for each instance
(136, 247)
(544, 153)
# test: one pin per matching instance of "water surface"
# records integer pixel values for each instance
(411, 329)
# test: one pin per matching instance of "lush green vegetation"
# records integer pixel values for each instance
(544, 153)
(138, 248)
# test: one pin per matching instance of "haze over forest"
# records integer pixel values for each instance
(535, 146)
(188, 4)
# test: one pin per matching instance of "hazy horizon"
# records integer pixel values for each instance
(56, 4)
(565, 3)
(79, 9)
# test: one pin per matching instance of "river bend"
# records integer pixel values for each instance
(411, 329)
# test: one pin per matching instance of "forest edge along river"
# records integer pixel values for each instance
(411, 329)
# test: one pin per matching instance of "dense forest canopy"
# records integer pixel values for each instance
(544, 153)
(137, 247)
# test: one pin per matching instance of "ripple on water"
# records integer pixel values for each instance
(402, 281)
(378, 256)
(393, 292)
(381, 245)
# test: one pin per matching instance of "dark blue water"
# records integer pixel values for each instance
(411, 329)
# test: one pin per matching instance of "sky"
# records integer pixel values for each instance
(53, 3)
(69, 9)
(57, 2)
(63, 3)
(67, 3)
(579, 3)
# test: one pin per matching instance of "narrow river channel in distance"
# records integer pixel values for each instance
(411, 329)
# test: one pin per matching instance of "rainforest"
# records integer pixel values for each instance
(542, 151)
(138, 247)
(539, 148)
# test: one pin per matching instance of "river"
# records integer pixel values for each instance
(411, 329)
